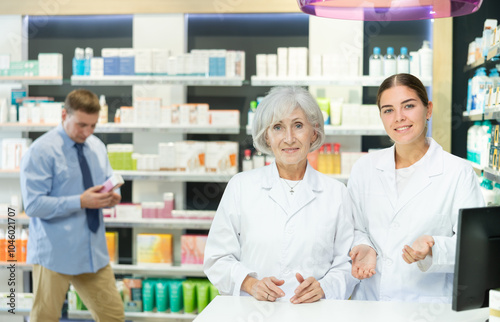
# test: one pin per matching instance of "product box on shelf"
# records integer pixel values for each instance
(75, 303)
(221, 157)
(126, 63)
(190, 156)
(224, 117)
(154, 249)
(152, 209)
(168, 205)
(112, 243)
(120, 156)
(143, 61)
(132, 294)
(494, 305)
(193, 249)
(50, 64)
(111, 61)
(128, 211)
(13, 150)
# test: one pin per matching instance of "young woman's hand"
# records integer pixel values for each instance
(421, 248)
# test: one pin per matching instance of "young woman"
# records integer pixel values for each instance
(406, 200)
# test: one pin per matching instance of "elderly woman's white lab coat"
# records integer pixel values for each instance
(257, 232)
(429, 205)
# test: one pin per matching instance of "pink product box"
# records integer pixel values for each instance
(152, 209)
(193, 249)
(114, 182)
(108, 212)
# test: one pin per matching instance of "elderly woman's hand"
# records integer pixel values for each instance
(265, 289)
(308, 291)
(364, 261)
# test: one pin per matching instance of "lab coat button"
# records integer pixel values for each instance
(289, 231)
(388, 262)
(395, 225)
(286, 271)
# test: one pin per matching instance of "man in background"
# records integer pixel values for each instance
(61, 175)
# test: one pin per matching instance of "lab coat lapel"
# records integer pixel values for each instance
(386, 168)
(277, 193)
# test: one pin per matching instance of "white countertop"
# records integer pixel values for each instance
(245, 308)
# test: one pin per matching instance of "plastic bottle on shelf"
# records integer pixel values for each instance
(337, 166)
(89, 54)
(415, 63)
(425, 54)
(484, 138)
(480, 84)
(322, 160)
(117, 116)
(496, 192)
(103, 113)
(259, 160)
(375, 63)
(488, 194)
(329, 159)
(403, 61)
(79, 62)
(247, 163)
(251, 112)
(494, 77)
(270, 159)
(390, 67)
(471, 133)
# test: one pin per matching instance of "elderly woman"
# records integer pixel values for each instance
(283, 231)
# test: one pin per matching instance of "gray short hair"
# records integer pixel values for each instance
(278, 104)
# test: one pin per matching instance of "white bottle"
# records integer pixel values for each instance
(403, 61)
(488, 194)
(12, 114)
(390, 63)
(425, 54)
(484, 138)
(103, 113)
(4, 111)
(415, 63)
(375, 63)
(470, 138)
(259, 160)
(496, 192)
(247, 163)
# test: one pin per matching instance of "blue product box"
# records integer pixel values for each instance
(111, 65)
(127, 66)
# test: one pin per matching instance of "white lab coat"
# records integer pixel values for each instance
(257, 232)
(428, 206)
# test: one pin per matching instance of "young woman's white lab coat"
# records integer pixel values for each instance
(429, 205)
(257, 232)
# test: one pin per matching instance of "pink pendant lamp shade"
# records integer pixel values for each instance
(387, 10)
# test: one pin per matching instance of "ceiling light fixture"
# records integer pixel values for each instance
(388, 10)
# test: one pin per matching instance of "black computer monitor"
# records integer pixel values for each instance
(477, 261)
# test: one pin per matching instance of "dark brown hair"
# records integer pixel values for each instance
(407, 80)
(82, 100)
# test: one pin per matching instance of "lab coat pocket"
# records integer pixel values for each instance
(438, 225)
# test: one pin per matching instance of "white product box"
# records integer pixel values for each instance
(224, 117)
(221, 157)
(315, 65)
(184, 113)
(4, 61)
(282, 61)
(50, 112)
(166, 115)
(127, 115)
(143, 61)
(261, 64)
(350, 114)
(203, 117)
(190, 156)
(50, 64)
(13, 150)
(175, 113)
(128, 211)
(240, 64)
(272, 65)
(24, 112)
(495, 305)
(160, 61)
(172, 66)
(166, 152)
(96, 66)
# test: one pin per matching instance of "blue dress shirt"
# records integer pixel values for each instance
(51, 185)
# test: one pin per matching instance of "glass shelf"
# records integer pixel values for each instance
(31, 80)
(120, 80)
(174, 176)
(367, 81)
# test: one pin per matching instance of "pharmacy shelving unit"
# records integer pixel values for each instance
(366, 81)
(140, 316)
(120, 80)
(31, 80)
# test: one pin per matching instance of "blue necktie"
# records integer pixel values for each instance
(92, 214)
